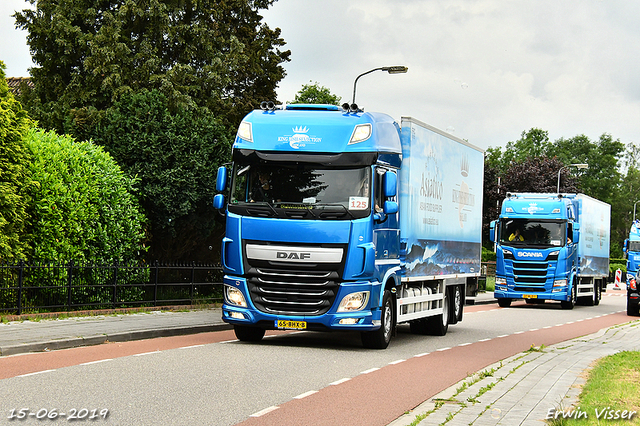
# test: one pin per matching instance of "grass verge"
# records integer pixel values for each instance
(610, 395)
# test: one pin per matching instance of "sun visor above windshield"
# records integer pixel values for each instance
(318, 131)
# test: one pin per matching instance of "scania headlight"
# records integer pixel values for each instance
(560, 283)
(354, 302)
(234, 296)
(501, 281)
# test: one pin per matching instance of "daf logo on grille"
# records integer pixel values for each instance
(293, 255)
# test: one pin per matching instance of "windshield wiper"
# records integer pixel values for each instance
(337, 205)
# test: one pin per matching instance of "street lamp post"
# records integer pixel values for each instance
(634, 210)
(400, 69)
(579, 166)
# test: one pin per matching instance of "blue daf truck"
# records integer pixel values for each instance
(551, 247)
(632, 253)
(339, 219)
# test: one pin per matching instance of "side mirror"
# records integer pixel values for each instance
(390, 184)
(576, 233)
(390, 207)
(492, 231)
(625, 246)
(218, 201)
(221, 179)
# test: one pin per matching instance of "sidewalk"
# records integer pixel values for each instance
(521, 390)
(36, 336)
(29, 336)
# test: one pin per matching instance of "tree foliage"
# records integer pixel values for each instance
(82, 204)
(211, 53)
(14, 160)
(316, 94)
(176, 156)
(532, 164)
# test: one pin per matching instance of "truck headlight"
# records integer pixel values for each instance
(234, 296)
(354, 302)
(560, 283)
(501, 281)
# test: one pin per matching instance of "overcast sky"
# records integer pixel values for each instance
(483, 70)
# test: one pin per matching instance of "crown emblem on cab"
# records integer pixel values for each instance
(300, 129)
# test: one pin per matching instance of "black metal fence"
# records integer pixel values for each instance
(55, 286)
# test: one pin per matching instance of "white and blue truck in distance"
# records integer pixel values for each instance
(551, 247)
(339, 219)
(631, 251)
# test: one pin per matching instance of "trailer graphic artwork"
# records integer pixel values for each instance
(444, 182)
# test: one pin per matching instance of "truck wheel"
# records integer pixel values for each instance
(597, 293)
(632, 310)
(248, 334)
(569, 304)
(456, 305)
(504, 303)
(380, 338)
(439, 324)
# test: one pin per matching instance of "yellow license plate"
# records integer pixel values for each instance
(291, 325)
(530, 296)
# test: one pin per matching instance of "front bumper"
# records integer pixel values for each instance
(367, 319)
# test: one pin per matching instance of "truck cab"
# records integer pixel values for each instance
(312, 239)
(536, 249)
(631, 251)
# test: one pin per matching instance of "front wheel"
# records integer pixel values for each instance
(569, 304)
(380, 338)
(504, 303)
(248, 334)
(632, 310)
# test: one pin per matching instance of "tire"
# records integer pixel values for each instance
(439, 325)
(569, 304)
(597, 293)
(248, 334)
(632, 311)
(455, 314)
(504, 303)
(380, 338)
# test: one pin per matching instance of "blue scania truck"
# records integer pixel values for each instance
(632, 253)
(551, 247)
(339, 219)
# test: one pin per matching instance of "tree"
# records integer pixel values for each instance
(83, 205)
(214, 54)
(175, 156)
(316, 94)
(534, 143)
(14, 182)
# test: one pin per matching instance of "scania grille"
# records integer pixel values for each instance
(292, 291)
(529, 276)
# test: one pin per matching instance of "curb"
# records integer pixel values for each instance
(74, 342)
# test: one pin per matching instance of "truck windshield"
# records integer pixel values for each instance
(528, 232)
(321, 191)
(634, 246)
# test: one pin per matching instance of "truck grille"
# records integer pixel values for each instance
(292, 291)
(529, 276)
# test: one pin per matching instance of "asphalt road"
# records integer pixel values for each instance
(289, 378)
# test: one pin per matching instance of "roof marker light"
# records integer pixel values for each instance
(245, 132)
(361, 133)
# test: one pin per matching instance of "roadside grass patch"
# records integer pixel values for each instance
(611, 390)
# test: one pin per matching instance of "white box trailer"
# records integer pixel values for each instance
(440, 200)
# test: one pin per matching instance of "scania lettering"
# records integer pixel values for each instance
(551, 247)
(339, 219)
